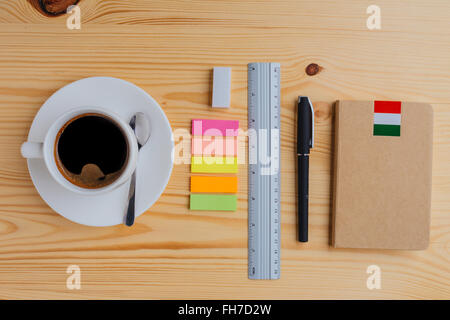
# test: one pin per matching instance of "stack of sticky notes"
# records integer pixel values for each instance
(214, 151)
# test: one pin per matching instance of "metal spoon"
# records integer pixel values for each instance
(142, 130)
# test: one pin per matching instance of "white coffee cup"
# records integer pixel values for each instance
(46, 150)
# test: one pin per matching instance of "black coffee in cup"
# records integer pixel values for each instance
(91, 151)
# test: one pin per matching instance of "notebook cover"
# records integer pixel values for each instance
(382, 175)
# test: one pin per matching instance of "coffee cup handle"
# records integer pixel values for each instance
(32, 150)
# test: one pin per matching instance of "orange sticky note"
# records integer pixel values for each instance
(216, 184)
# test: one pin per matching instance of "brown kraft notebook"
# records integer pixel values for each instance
(382, 175)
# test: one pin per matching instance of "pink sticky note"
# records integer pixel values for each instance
(214, 146)
(197, 145)
(206, 127)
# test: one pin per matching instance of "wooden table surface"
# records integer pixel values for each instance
(168, 48)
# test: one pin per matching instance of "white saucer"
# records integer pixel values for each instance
(155, 158)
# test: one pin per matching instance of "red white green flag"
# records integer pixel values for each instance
(387, 118)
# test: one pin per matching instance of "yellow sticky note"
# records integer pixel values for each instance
(214, 164)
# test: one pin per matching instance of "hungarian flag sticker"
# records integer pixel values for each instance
(387, 117)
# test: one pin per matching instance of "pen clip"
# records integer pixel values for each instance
(311, 142)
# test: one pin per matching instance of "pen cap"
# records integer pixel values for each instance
(304, 125)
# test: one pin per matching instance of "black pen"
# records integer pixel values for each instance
(305, 141)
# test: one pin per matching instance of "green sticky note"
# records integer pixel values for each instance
(217, 202)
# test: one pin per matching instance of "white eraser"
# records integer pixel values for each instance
(221, 87)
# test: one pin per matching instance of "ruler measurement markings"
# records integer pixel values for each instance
(264, 189)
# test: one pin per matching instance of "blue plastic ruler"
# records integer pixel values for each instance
(264, 171)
